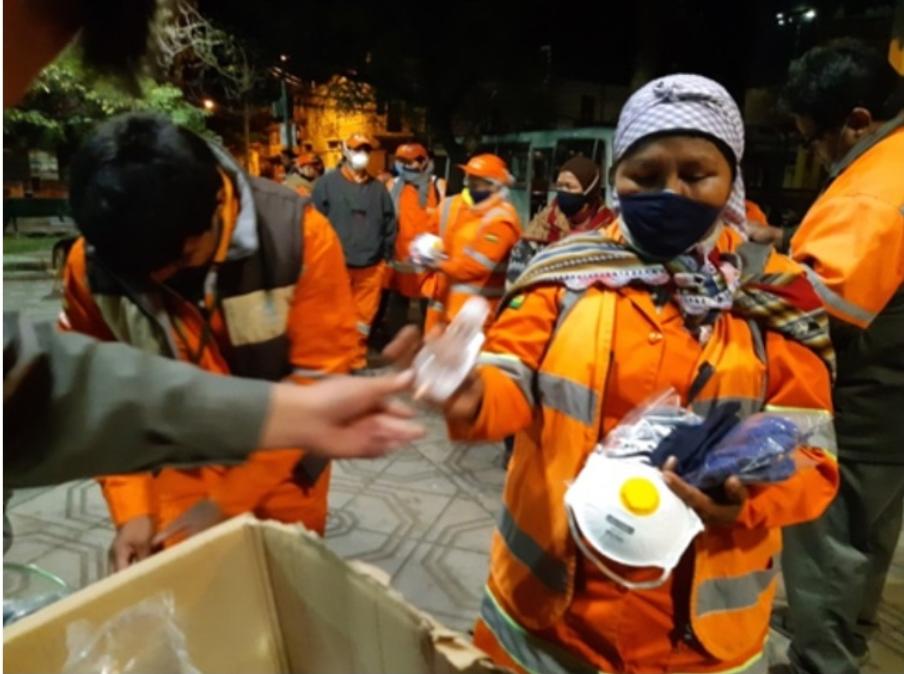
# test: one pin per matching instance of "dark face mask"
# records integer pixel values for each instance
(570, 203)
(663, 225)
(479, 195)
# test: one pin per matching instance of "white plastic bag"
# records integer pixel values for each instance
(143, 639)
(443, 364)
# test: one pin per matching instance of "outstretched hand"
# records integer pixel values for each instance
(342, 417)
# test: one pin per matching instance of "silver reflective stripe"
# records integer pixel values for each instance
(568, 397)
(532, 653)
(815, 423)
(309, 374)
(514, 369)
(836, 301)
(571, 298)
(469, 289)
(403, 267)
(748, 405)
(363, 328)
(733, 594)
(550, 571)
(444, 216)
(759, 346)
(484, 261)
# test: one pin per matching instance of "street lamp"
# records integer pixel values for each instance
(209, 104)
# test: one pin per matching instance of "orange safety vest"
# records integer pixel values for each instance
(570, 393)
(413, 220)
(478, 240)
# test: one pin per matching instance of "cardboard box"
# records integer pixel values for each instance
(259, 597)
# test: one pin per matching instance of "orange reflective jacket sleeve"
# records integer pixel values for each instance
(322, 320)
(323, 337)
(484, 255)
(855, 246)
(799, 387)
(128, 496)
(515, 345)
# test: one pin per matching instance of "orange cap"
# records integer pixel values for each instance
(411, 151)
(488, 166)
(307, 159)
(356, 140)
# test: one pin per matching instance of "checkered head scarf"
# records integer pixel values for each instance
(693, 103)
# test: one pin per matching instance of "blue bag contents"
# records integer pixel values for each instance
(758, 450)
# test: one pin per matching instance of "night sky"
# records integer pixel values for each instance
(737, 42)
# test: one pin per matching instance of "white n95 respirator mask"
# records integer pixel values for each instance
(622, 509)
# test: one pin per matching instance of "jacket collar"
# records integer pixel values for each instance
(865, 145)
(244, 241)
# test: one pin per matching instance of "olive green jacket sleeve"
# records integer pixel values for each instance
(77, 408)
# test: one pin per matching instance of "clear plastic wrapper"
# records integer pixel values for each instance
(444, 363)
(143, 639)
(759, 450)
(27, 588)
(645, 427)
(426, 250)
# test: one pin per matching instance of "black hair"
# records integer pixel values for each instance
(140, 186)
(829, 81)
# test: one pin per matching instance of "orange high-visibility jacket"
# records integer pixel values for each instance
(414, 220)
(853, 236)
(478, 240)
(320, 326)
(560, 369)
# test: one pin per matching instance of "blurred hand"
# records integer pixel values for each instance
(711, 512)
(764, 233)
(132, 543)
(203, 515)
(342, 417)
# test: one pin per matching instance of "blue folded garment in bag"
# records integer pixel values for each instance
(759, 449)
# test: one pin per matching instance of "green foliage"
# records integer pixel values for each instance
(66, 102)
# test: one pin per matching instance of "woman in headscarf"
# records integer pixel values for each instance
(578, 207)
(669, 296)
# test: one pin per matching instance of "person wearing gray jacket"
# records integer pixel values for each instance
(361, 211)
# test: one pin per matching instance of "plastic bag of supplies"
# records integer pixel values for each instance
(143, 639)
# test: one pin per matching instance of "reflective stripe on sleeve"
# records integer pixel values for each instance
(470, 289)
(840, 306)
(735, 593)
(515, 369)
(485, 262)
(568, 397)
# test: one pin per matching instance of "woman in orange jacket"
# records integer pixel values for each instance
(668, 296)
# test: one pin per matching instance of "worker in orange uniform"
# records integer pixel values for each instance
(361, 212)
(416, 193)
(596, 326)
(304, 174)
(843, 97)
(478, 227)
(185, 255)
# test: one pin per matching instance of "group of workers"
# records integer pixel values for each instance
(185, 256)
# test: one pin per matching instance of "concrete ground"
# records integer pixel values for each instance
(424, 515)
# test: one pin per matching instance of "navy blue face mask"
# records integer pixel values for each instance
(479, 195)
(570, 203)
(663, 225)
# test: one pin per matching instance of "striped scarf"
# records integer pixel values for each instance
(781, 301)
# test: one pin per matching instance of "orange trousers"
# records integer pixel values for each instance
(367, 284)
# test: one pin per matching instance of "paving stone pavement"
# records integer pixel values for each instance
(424, 515)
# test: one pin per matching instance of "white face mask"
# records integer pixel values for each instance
(358, 160)
(622, 509)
